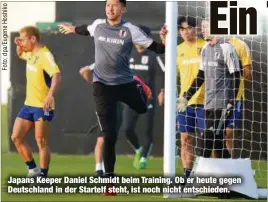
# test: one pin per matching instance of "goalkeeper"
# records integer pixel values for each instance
(243, 53)
(86, 73)
(188, 62)
(221, 72)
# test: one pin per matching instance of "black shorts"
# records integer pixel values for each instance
(106, 98)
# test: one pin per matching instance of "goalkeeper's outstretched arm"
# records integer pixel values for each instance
(158, 48)
(67, 29)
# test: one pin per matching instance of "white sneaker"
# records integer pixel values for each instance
(34, 172)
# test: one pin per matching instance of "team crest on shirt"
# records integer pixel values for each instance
(144, 59)
(35, 59)
(122, 33)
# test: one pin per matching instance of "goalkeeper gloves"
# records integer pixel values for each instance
(229, 108)
(181, 104)
(66, 28)
(145, 88)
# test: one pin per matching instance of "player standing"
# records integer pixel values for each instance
(221, 72)
(112, 78)
(188, 62)
(243, 53)
(43, 78)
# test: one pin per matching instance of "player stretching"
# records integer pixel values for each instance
(112, 78)
(143, 63)
(221, 72)
(43, 78)
(86, 73)
(188, 62)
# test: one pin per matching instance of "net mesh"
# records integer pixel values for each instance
(250, 138)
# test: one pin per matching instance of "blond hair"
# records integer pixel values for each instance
(31, 31)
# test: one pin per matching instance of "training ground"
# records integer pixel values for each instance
(77, 165)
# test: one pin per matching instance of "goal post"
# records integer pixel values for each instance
(170, 91)
(250, 137)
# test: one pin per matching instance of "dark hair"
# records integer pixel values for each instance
(188, 19)
(123, 2)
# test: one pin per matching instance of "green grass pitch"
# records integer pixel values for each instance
(84, 165)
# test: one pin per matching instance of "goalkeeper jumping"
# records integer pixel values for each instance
(220, 70)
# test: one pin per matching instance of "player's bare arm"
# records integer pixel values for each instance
(247, 72)
(55, 82)
(163, 32)
(19, 49)
(86, 74)
(236, 76)
(161, 97)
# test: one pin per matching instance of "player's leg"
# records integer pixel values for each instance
(148, 146)
(213, 154)
(219, 141)
(187, 129)
(231, 124)
(22, 126)
(42, 127)
(106, 115)
(130, 118)
(98, 151)
(208, 135)
(133, 95)
(201, 126)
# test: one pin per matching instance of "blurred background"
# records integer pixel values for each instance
(74, 128)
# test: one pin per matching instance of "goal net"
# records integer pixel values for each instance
(250, 136)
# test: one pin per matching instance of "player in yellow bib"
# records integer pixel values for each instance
(188, 61)
(243, 53)
(43, 77)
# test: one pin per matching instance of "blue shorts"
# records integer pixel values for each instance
(192, 117)
(234, 119)
(34, 114)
